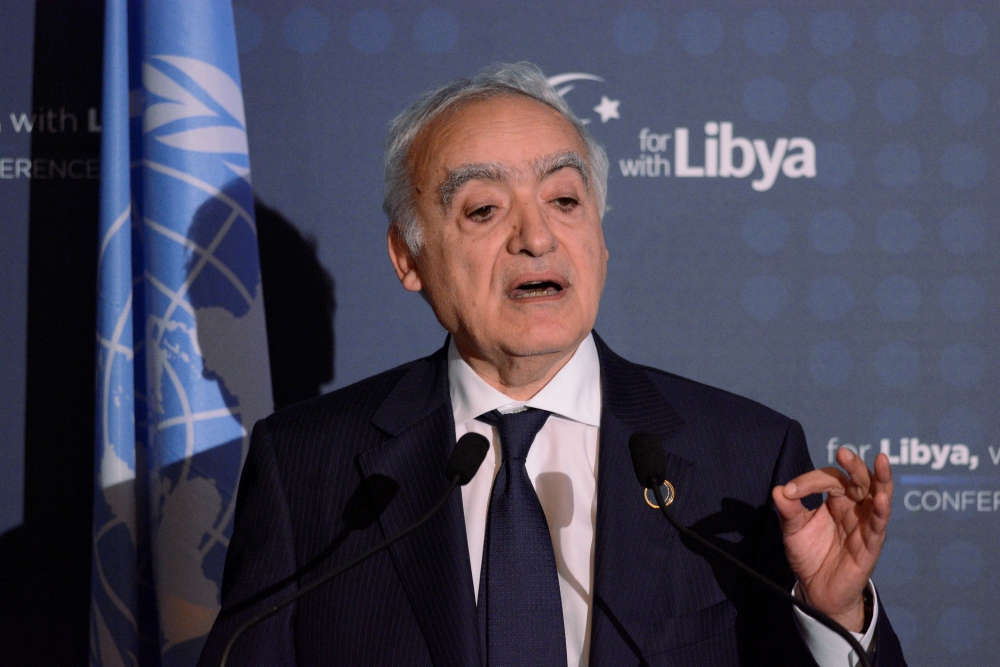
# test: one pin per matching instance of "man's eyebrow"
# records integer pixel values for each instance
(459, 176)
(552, 163)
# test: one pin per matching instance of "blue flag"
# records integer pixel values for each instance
(182, 372)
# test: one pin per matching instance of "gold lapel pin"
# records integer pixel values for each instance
(668, 495)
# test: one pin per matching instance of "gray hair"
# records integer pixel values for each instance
(521, 78)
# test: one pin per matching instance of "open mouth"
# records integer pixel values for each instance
(536, 288)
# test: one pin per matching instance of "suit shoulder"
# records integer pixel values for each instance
(697, 398)
(740, 440)
(353, 404)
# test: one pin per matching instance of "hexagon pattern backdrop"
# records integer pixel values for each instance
(803, 205)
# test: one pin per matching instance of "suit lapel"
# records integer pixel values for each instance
(433, 562)
(634, 543)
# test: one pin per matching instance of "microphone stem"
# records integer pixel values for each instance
(806, 608)
(316, 583)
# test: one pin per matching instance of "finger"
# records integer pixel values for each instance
(883, 476)
(881, 509)
(791, 512)
(878, 520)
(824, 480)
(861, 479)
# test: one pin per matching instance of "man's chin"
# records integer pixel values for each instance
(544, 341)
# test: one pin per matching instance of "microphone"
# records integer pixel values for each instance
(373, 495)
(650, 464)
(468, 455)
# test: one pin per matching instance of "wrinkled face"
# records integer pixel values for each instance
(514, 259)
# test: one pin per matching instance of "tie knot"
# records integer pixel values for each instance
(517, 430)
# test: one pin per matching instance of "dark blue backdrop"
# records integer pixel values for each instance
(861, 301)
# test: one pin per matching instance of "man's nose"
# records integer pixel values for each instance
(532, 234)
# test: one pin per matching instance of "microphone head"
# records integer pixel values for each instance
(468, 455)
(648, 459)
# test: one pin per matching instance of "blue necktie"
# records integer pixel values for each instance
(520, 609)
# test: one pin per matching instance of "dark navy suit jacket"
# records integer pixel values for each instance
(336, 474)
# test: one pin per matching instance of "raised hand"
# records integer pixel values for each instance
(833, 549)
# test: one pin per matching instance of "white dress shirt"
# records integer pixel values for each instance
(562, 466)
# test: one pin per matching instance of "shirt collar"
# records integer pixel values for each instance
(573, 393)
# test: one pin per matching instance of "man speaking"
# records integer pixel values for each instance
(551, 555)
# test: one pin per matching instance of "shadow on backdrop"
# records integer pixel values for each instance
(45, 562)
(300, 306)
(198, 493)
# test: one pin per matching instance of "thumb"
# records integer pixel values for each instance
(791, 512)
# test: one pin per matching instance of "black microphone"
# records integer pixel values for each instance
(373, 495)
(468, 455)
(650, 466)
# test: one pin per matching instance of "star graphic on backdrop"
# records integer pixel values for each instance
(607, 108)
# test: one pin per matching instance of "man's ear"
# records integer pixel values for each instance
(403, 260)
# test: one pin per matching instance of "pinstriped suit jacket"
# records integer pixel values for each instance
(656, 599)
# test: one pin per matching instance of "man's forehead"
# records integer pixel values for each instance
(538, 168)
(495, 130)
(496, 139)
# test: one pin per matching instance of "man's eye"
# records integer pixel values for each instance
(566, 203)
(482, 213)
